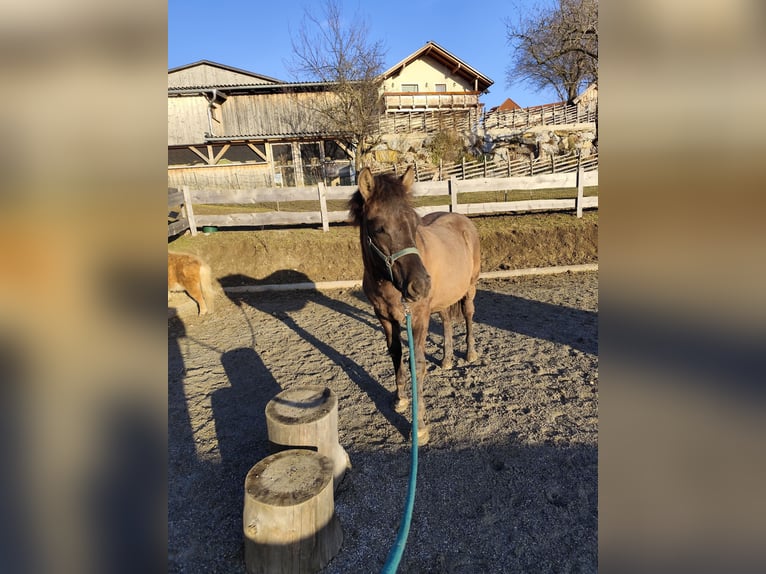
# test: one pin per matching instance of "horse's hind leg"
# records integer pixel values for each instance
(468, 310)
(195, 292)
(446, 317)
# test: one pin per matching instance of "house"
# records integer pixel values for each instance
(588, 98)
(506, 106)
(433, 71)
(233, 129)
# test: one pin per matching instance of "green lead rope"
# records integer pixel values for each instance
(395, 554)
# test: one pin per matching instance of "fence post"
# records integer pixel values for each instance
(322, 193)
(189, 210)
(578, 203)
(452, 189)
(485, 166)
(463, 167)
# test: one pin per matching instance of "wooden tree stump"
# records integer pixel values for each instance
(308, 417)
(289, 519)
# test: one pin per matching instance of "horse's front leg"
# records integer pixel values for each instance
(419, 334)
(392, 328)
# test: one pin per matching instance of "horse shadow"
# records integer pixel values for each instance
(241, 438)
(281, 304)
(559, 324)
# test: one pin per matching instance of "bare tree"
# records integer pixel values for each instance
(555, 46)
(329, 49)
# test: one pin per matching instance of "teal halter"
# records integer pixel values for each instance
(389, 260)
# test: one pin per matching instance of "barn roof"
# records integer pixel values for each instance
(456, 65)
(507, 105)
(258, 78)
(231, 89)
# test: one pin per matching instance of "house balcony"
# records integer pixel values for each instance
(430, 100)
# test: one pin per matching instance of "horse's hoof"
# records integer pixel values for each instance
(472, 356)
(446, 365)
(401, 405)
(424, 434)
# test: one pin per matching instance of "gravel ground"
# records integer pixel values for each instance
(508, 482)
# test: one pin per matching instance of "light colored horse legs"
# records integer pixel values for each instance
(468, 310)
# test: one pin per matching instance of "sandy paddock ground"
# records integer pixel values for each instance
(508, 482)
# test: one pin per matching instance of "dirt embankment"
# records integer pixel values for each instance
(309, 254)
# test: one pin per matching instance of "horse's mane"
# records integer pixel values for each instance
(388, 187)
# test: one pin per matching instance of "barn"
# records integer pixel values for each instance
(230, 128)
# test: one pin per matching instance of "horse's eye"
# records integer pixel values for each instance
(379, 230)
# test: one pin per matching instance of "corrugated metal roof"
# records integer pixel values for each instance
(223, 67)
(318, 135)
(233, 88)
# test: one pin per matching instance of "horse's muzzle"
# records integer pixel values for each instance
(417, 288)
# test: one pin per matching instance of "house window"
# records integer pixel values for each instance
(284, 170)
(440, 87)
(332, 151)
(310, 153)
(409, 87)
(282, 154)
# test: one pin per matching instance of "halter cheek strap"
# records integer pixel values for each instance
(389, 260)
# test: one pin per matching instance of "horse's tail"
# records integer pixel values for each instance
(206, 282)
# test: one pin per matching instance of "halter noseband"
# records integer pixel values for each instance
(389, 260)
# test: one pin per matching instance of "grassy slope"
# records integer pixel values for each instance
(309, 254)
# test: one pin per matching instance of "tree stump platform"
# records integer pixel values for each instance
(289, 520)
(308, 417)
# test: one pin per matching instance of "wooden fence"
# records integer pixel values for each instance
(324, 217)
(523, 118)
(499, 168)
(466, 120)
(180, 212)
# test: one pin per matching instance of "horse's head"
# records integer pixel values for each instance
(388, 225)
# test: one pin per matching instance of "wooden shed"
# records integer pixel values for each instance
(233, 129)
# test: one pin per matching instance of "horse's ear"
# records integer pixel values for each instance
(408, 178)
(366, 183)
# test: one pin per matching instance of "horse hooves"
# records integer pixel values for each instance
(446, 365)
(472, 356)
(424, 434)
(401, 405)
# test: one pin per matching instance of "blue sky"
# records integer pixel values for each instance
(255, 35)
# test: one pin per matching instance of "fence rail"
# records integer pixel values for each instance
(522, 118)
(450, 188)
(428, 121)
(499, 168)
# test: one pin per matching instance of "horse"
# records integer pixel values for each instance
(191, 274)
(429, 264)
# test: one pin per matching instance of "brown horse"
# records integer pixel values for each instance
(431, 264)
(189, 273)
